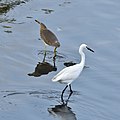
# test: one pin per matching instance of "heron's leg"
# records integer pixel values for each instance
(69, 94)
(54, 59)
(44, 54)
(44, 58)
(45, 51)
(63, 93)
(55, 52)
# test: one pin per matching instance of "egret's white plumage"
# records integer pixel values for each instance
(69, 74)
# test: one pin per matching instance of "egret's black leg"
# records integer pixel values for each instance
(69, 94)
(63, 93)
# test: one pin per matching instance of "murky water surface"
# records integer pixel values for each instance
(33, 96)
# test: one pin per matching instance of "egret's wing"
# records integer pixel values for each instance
(69, 73)
(56, 77)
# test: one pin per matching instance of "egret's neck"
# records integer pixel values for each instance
(82, 58)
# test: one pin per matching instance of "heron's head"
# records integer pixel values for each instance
(83, 46)
(43, 27)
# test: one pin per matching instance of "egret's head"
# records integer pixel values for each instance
(83, 46)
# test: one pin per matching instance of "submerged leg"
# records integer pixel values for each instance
(45, 51)
(69, 94)
(63, 93)
(54, 59)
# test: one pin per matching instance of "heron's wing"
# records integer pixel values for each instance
(49, 37)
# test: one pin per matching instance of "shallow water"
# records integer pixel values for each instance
(96, 91)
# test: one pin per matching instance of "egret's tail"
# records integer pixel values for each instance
(54, 79)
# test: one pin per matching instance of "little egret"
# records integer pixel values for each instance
(69, 74)
(48, 37)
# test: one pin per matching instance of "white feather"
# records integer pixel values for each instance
(69, 74)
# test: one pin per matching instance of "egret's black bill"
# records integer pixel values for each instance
(90, 49)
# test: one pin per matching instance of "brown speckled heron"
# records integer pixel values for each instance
(48, 37)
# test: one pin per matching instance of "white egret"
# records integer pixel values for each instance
(69, 74)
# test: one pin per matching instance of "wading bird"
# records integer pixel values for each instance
(48, 37)
(69, 74)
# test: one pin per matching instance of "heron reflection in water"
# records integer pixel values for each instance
(63, 111)
(43, 68)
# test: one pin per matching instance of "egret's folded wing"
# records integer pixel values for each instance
(59, 75)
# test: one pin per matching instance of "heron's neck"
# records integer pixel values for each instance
(82, 58)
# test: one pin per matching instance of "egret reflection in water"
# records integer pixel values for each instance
(63, 111)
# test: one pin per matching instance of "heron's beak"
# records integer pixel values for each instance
(37, 21)
(90, 49)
